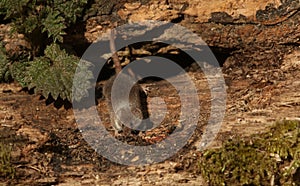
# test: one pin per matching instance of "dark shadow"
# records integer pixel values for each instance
(221, 54)
(58, 103)
(181, 58)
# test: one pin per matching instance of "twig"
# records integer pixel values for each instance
(115, 57)
(29, 166)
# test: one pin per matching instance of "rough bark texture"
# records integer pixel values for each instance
(257, 42)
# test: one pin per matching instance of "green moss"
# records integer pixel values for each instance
(4, 65)
(7, 170)
(273, 156)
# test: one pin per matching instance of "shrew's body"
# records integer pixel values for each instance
(137, 104)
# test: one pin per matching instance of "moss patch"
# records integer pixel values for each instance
(269, 158)
(7, 170)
